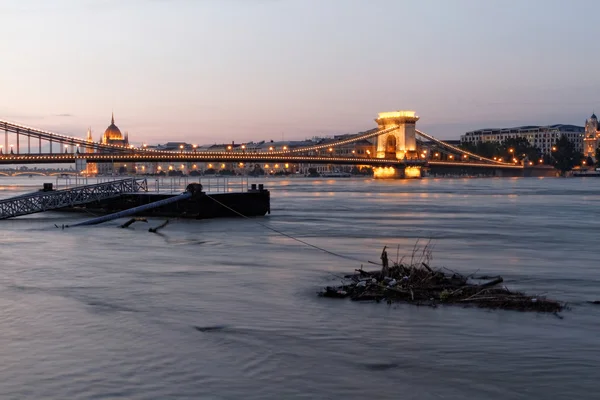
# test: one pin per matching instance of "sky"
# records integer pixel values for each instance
(214, 71)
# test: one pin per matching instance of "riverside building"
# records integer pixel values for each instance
(542, 137)
(591, 141)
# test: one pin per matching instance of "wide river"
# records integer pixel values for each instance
(108, 313)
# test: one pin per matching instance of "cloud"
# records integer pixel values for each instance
(63, 115)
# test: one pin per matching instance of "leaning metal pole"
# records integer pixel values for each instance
(134, 210)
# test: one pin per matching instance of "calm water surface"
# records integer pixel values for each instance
(109, 313)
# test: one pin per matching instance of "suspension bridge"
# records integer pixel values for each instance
(398, 147)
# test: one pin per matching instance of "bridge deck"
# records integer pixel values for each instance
(52, 200)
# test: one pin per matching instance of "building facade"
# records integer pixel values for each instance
(591, 141)
(542, 137)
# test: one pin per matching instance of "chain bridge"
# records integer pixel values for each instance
(399, 149)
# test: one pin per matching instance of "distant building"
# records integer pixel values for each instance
(591, 141)
(113, 136)
(542, 137)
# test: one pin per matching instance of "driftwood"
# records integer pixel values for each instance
(132, 220)
(419, 284)
(155, 230)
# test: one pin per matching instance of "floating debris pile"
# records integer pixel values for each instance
(422, 285)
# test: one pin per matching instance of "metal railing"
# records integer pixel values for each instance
(210, 184)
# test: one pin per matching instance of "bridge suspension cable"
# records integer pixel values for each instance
(28, 131)
(361, 136)
(459, 150)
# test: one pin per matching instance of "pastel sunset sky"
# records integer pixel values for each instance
(208, 71)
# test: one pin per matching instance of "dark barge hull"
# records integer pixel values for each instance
(252, 203)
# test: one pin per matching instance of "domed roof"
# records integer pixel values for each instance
(112, 132)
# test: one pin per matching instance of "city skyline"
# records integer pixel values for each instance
(221, 71)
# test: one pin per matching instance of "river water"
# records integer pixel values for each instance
(227, 309)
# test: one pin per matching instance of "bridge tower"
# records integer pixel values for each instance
(399, 143)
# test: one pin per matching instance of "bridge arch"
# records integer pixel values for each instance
(390, 146)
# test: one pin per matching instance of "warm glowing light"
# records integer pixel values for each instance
(243, 147)
(451, 156)
(465, 156)
(495, 158)
(422, 155)
(412, 172)
(530, 162)
(181, 146)
(222, 166)
(553, 148)
(437, 154)
(583, 163)
(266, 165)
(285, 147)
(287, 165)
(194, 166)
(368, 151)
(541, 160)
(511, 150)
(210, 165)
(229, 147)
(384, 172)
(398, 114)
(145, 145)
(241, 164)
(182, 166)
(170, 168)
(159, 168)
(271, 148)
(331, 149)
(276, 165)
(353, 151)
(425, 151)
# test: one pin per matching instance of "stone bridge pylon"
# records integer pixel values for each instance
(400, 143)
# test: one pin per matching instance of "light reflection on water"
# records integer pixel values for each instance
(104, 312)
